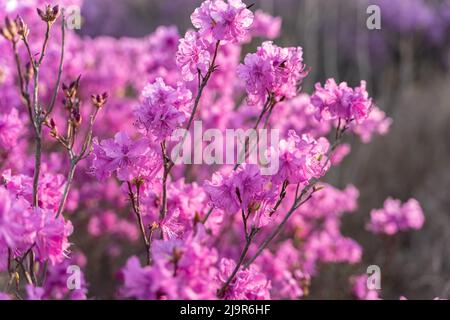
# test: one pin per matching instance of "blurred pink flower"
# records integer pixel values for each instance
(395, 217)
(228, 21)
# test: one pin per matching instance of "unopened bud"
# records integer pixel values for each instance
(71, 90)
(49, 14)
(22, 27)
(138, 181)
(154, 226)
(99, 100)
(53, 128)
(9, 30)
(76, 118)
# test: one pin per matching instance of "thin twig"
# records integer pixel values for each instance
(166, 169)
(221, 292)
(135, 202)
(268, 105)
(60, 68)
(203, 81)
(298, 202)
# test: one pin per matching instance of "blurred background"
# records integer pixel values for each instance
(406, 64)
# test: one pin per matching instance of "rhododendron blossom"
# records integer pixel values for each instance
(335, 101)
(301, 159)
(225, 20)
(162, 109)
(272, 70)
(193, 55)
(127, 157)
(395, 217)
(248, 284)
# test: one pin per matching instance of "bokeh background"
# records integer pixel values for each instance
(407, 66)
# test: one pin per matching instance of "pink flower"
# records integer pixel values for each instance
(50, 188)
(180, 270)
(341, 102)
(11, 219)
(58, 276)
(162, 109)
(193, 56)
(170, 225)
(328, 246)
(300, 158)
(395, 217)
(360, 290)
(222, 193)
(272, 70)
(340, 153)
(256, 72)
(243, 189)
(264, 25)
(248, 284)
(376, 123)
(228, 21)
(51, 236)
(129, 158)
(11, 127)
(162, 45)
(139, 281)
(34, 293)
(249, 185)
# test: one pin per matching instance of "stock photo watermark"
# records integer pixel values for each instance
(373, 22)
(374, 277)
(74, 277)
(235, 146)
(73, 17)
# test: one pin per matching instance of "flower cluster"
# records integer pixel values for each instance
(244, 189)
(11, 128)
(335, 101)
(360, 288)
(224, 21)
(23, 228)
(128, 158)
(249, 284)
(301, 158)
(163, 109)
(395, 217)
(182, 269)
(273, 71)
(193, 56)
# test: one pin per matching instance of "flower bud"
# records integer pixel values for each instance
(9, 30)
(99, 100)
(138, 181)
(53, 128)
(71, 90)
(22, 27)
(49, 14)
(76, 118)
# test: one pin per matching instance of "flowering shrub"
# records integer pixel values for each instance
(86, 134)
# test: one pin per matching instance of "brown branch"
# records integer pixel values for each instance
(137, 210)
(203, 81)
(60, 68)
(166, 165)
(221, 292)
(298, 200)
